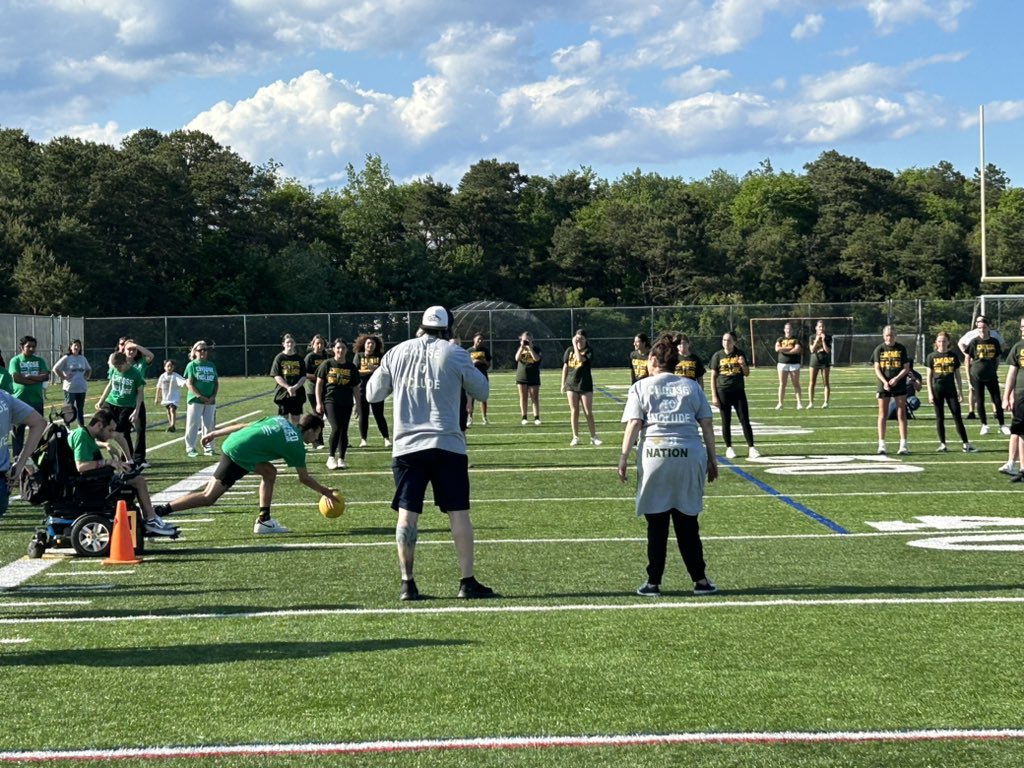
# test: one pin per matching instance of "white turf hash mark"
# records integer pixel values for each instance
(521, 742)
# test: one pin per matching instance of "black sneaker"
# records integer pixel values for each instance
(648, 590)
(409, 591)
(706, 587)
(470, 589)
(1018, 478)
(971, 415)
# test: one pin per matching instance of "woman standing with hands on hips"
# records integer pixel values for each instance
(578, 386)
(666, 411)
(729, 368)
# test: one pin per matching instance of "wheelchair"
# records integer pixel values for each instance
(79, 508)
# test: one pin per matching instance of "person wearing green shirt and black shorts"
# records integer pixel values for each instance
(201, 402)
(123, 396)
(252, 448)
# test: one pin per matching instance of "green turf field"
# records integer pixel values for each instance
(860, 595)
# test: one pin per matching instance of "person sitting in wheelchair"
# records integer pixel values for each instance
(84, 443)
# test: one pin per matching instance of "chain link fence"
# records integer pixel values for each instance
(245, 345)
(53, 334)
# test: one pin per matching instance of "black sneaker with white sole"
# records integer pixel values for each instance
(470, 589)
(705, 587)
(409, 590)
(648, 590)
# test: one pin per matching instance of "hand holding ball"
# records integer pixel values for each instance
(332, 506)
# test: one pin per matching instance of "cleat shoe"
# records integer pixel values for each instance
(753, 453)
(362, 443)
(471, 589)
(968, 448)
(269, 525)
(595, 440)
(536, 422)
(705, 587)
(1007, 469)
(1004, 429)
(984, 429)
(523, 422)
(649, 590)
(574, 442)
(332, 463)
(387, 443)
(730, 453)
(409, 590)
(941, 449)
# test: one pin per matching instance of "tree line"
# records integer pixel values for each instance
(177, 224)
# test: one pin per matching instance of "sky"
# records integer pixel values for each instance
(675, 87)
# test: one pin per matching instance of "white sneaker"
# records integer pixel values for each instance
(332, 463)
(387, 443)
(523, 422)
(595, 440)
(486, 422)
(536, 422)
(362, 443)
(268, 526)
(903, 451)
(753, 453)
(469, 421)
(881, 448)
(941, 448)
(778, 406)
(1004, 429)
(574, 442)
(809, 406)
(341, 464)
(984, 429)
(730, 453)
(1007, 469)
(798, 405)
(825, 404)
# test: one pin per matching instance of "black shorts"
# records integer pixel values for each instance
(1017, 425)
(122, 417)
(447, 473)
(900, 390)
(291, 406)
(227, 472)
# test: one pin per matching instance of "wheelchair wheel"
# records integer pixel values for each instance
(36, 549)
(90, 535)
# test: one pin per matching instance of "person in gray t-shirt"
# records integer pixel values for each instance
(12, 413)
(426, 375)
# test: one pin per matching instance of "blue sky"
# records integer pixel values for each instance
(677, 87)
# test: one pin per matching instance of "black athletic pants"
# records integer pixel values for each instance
(940, 417)
(993, 391)
(738, 400)
(378, 415)
(687, 537)
(339, 414)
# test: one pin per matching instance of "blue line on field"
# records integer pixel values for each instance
(784, 498)
(609, 395)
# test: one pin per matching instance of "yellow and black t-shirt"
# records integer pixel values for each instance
(690, 366)
(943, 366)
(637, 366)
(340, 378)
(786, 354)
(729, 368)
(578, 377)
(984, 354)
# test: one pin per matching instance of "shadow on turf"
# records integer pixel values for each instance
(211, 653)
(796, 590)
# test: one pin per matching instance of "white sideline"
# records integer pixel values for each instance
(521, 742)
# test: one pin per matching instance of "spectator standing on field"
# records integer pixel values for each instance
(638, 358)
(790, 353)
(578, 386)
(289, 372)
(315, 357)
(892, 369)
(74, 371)
(982, 355)
(528, 357)
(123, 396)
(665, 411)
(481, 357)
(1013, 401)
(690, 365)
(168, 393)
(425, 375)
(336, 383)
(29, 372)
(729, 368)
(368, 352)
(945, 389)
(201, 402)
(964, 340)
(821, 363)
(139, 358)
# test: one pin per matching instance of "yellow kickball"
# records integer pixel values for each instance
(332, 507)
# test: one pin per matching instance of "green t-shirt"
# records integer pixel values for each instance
(265, 440)
(124, 387)
(28, 365)
(6, 382)
(1016, 360)
(83, 445)
(203, 375)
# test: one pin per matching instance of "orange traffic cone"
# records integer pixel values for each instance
(122, 546)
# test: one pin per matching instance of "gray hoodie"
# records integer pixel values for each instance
(426, 376)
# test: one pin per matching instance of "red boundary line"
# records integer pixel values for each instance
(383, 747)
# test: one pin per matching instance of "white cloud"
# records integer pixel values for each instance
(577, 57)
(696, 79)
(811, 26)
(556, 102)
(995, 112)
(865, 78)
(889, 14)
(110, 133)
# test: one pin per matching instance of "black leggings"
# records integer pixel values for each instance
(364, 415)
(140, 429)
(940, 417)
(687, 537)
(993, 390)
(738, 400)
(339, 414)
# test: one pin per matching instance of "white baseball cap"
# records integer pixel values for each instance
(436, 319)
